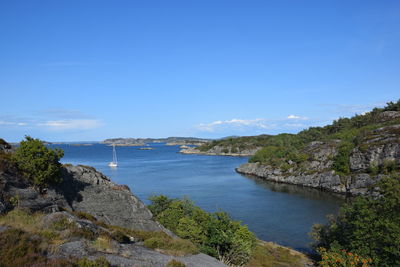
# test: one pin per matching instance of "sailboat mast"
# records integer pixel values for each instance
(114, 155)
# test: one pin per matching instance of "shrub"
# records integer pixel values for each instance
(389, 166)
(38, 163)
(368, 227)
(341, 162)
(214, 233)
(342, 258)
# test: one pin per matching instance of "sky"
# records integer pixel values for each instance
(73, 70)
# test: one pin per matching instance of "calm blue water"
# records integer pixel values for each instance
(274, 212)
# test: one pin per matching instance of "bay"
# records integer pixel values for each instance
(274, 212)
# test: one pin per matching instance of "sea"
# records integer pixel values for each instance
(275, 212)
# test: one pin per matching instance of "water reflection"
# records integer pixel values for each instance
(302, 191)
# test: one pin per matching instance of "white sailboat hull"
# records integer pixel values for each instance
(112, 164)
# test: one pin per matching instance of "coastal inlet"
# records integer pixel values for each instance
(274, 212)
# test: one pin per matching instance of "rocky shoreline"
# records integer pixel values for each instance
(219, 151)
(361, 184)
(379, 148)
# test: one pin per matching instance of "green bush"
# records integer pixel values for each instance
(214, 233)
(368, 227)
(341, 162)
(38, 163)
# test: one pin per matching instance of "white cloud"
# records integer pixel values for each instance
(294, 125)
(71, 124)
(233, 123)
(12, 123)
(295, 117)
(256, 126)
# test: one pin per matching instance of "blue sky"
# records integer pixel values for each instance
(90, 70)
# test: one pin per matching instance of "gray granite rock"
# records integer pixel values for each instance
(88, 190)
(3, 228)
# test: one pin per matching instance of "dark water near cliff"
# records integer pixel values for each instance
(274, 212)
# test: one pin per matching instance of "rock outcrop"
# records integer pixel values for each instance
(377, 149)
(83, 189)
(88, 190)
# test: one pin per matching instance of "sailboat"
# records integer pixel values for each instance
(114, 163)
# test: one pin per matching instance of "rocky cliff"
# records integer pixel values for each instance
(376, 154)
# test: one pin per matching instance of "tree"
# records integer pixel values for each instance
(369, 227)
(38, 163)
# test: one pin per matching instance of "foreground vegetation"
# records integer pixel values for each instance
(217, 235)
(365, 232)
(214, 233)
(29, 239)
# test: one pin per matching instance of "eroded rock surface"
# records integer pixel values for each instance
(377, 149)
(90, 191)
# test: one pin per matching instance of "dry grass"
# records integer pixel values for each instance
(170, 246)
(175, 263)
(104, 244)
(268, 254)
(22, 220)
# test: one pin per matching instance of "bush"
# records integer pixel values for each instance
(214, 233)
(341, 162)
(342, 258)
(38, 163)
(368, 227)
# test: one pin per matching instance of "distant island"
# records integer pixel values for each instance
(171, 141)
